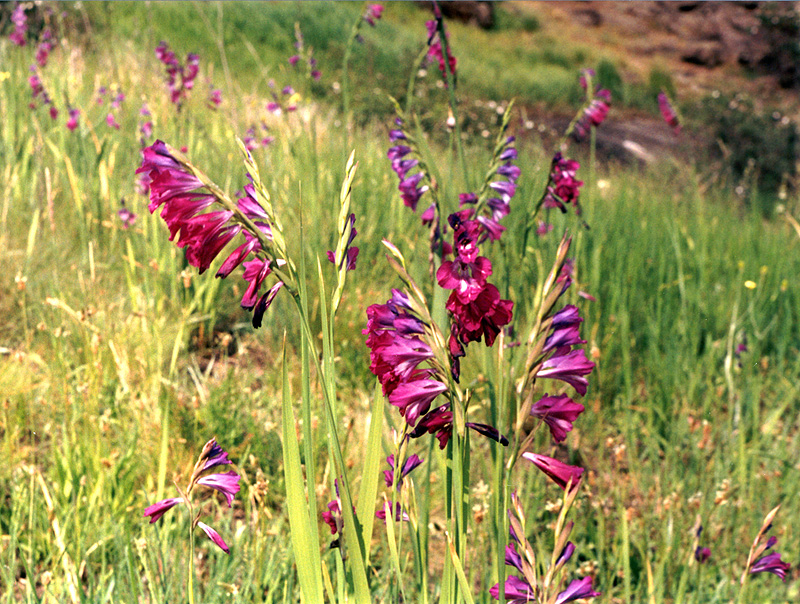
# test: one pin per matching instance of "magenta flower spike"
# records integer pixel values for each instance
(127, 217)
(577, 590)
(558, 412)
(157, 510)
(557, 471)
(227, 484)
(214, 536)
(702, 554)
(215, 456)
(668, 112)
(19, 20)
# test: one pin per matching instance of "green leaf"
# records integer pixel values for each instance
(371, 474)
(306, 551)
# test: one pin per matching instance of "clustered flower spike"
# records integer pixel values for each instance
(282, 101)
(19, 20)
(350, 251)
(668, 112)
(475, 305)
(46, 45)
(500, 187)
(212, 456)
(253, 141)
(398, 340)
(214, 98)
(594, 114)
(309, 62)
(521, 556)
(184, 199)
(760, 562)
(38, 92)
(435, 51)
(180, 78)
(410, 187)
(563, 188)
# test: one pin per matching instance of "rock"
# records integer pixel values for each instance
(706, 54)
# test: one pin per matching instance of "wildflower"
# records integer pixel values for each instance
(72, 122)
(557, 471)
(117, 101)
(570, 367)
(594, 114)
(19, 20)
(558, 412)
(112, 121)
(517, 591)
(373, 14)
(350, 253)
(44, 48)
(475, 305)
(214, 536)
(435, 51)
(396, 337)
(408, 465)
(668, 112)
(399, 513)
(577, 590)
(180, 78)
(294, 59)
(214, 98)
(702, 554)
(543, 228)
(410, 187)
(771, 563)
(210, 457)
(227, 484)
(439, 422)
(157, 510)
(184, 198)
(127, 217)
(563, 188)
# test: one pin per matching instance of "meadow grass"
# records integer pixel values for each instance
(108, 343)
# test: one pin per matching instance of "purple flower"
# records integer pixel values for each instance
(570, 368)
(373, 13)
(213, 456)
(214, 536)
(577, 590)
(543, 228)
(563, 188)
(702, 554)
(557, 471)
(771, 563)
(439, 421)
(72, 122)
(227, 484)
(388, 475)
(558, 412)
(399, 514)
(19, 20)
(593, 115)
(44, 48)
(112, 121)
(668, 112)
(294, 59)
(435, 51)
(157, 510)
(127, 217)
(350, 253)
(517, 591)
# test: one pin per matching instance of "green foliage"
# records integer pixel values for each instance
(755, 148)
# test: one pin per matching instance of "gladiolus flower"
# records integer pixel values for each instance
(557, 471)
(558, 412)
(157, 510)
(227, 484)
(577, 590)
(214, 536)
(373, 14)
(668, 112)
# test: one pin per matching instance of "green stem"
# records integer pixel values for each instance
(451, 86)
(346, 83)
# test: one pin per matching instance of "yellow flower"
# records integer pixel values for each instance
(4, 75)
(750, 284)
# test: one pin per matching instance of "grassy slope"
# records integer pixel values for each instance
(84, 394)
